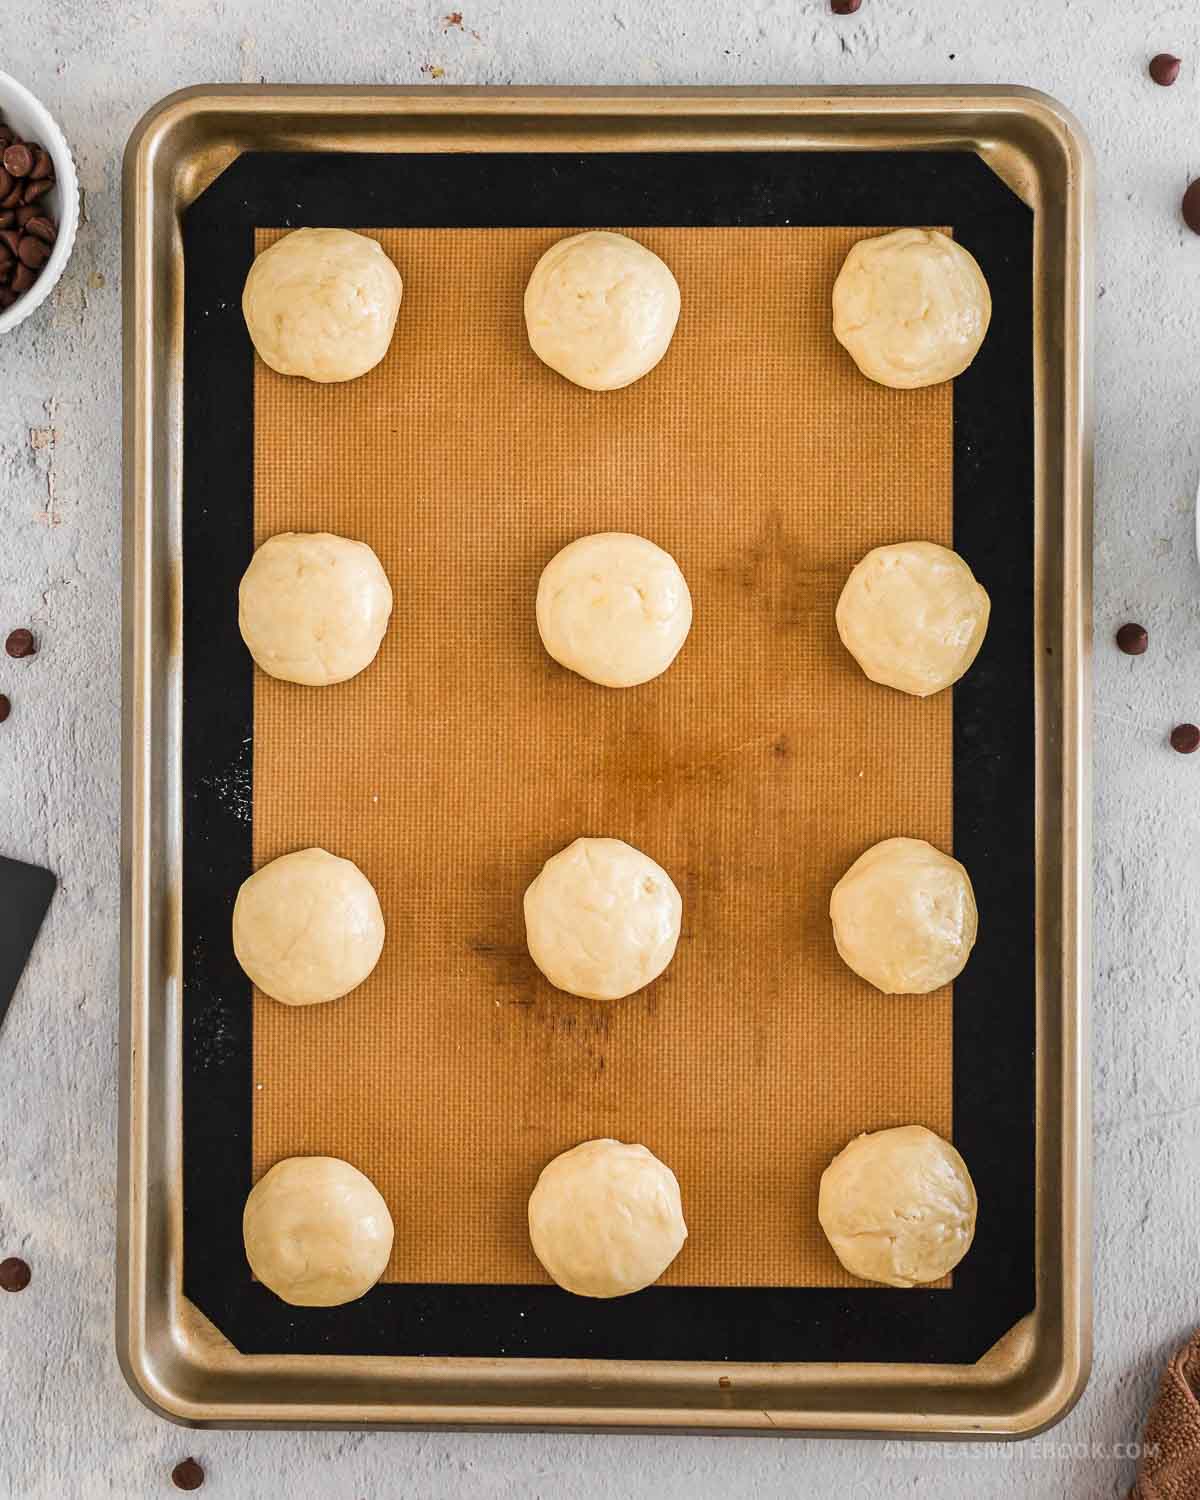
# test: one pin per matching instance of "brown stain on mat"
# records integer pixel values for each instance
(755, 770)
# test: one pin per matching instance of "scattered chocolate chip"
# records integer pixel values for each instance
(1190, 207)
(1185, 738)
(35, 190)
(38, 224)
(8, 217)
(11, 238)
(1164, 69)
(13, 199)
(1133, 639)
(187, 1475)
(21, 643)
(844, 7)
(5, 710)
(6, 183)
(33, 252)
(23, 278)
(18, 159)
(42, 165)
(15, 1275)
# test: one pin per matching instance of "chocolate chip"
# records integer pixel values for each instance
(18, 159)
(1133, 639)
(27, 230)
(1185, 738)
(844, 7)
(15, 1275)
(33, 252)
(5, 710)
(21, 643)
(1190, 207)
(187, 1475)
(1164, 69)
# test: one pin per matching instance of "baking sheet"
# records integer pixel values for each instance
(755, 770)
(183, 1294)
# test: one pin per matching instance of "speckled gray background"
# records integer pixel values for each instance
(70, 1428)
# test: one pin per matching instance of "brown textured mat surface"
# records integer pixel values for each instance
(755, 770)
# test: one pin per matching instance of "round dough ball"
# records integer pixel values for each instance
(605, 1219)
(600, 309)
(911, 307)
(614, 608)
(307, 927)
(898, 1206)
(316, 1231)
(602, 919)
(313, 607)
(904, 917)
(913, 616)
(322, 303)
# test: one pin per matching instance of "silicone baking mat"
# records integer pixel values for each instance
(755, 771)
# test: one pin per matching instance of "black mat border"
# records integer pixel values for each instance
(994, 1013)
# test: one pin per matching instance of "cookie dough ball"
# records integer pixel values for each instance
(316, 1231)
(911, 307)
(605, 1219)
(307, 927)
(898, 1206)
(913, 616)
(602, 919)
(614, 608)
(322, 303)
(904, 917)
(313, 607)
(600, 309)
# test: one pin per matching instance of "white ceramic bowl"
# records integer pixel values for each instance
(32, 121)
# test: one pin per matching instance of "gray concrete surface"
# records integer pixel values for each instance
(68, 1426)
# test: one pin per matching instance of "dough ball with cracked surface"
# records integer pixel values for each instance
(322, 303)
(911, 307)
(601, 309)
(307, 927)
(904, 917)
(614, 608)
(913, 616)
(898, 1206)
(316, 1231)
(605, 1219)
(602, 919)
(313, 607)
